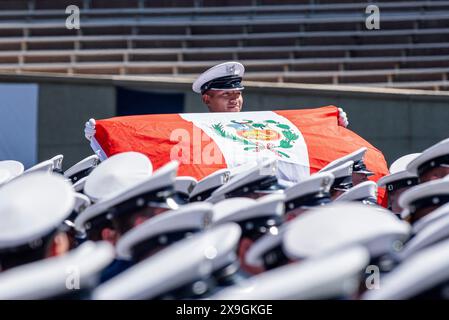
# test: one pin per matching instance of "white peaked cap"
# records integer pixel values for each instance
(117, 173)
(196, 215)
(437, 150)
(84, 164)
(32, 206)
(230, 68)
(181, 263)
(362, 191)
(324, 277)
(241, 209)
(398, 170)
(163, 177)
(341, 225)
(415, 275)
(48, 278)
(10, 169)
(185, 184)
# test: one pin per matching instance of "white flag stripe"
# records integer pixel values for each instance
(253, 136)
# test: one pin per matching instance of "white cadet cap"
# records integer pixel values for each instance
(342, 175)
(164, 177)
(5, 176)
(182, 263)
(44, 166)
(242, 209)
(313, 187)
(116, 174)
(9, 169)
(415, 275)
(356, 156)
(429, 235)
(399, 172)
(431, 157)
(431, 218)
(48, 278)
(224, 76)
(325, 277)
(208, 184)
(81, 202)
(267, 169)
(237, 170)
(185, 184)
(430, 193)
(266, 243)
(336, 226)
(82, 168)
(364, 191)
(32, 206)
(190, 218)
(401, 163)
(57, 162)
(228, 207)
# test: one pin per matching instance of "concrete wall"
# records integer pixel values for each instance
(63, 110)
(395, 121)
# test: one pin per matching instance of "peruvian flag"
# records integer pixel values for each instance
(303, 141)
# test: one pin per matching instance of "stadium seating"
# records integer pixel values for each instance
(309, 42)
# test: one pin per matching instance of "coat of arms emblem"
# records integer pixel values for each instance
(257, 136)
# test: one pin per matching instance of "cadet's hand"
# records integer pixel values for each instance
(89, 129)
(342, 118)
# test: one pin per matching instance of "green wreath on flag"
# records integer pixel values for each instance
(289, 136)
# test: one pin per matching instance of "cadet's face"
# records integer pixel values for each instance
(60, 245)
(358, 178)
(434, 174)
(223, 100)
(422, 213)
(393, 197)
(336, 193)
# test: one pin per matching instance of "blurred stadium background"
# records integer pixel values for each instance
(141, 56)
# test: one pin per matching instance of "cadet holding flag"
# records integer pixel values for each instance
(221, 91)
(303, 141)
